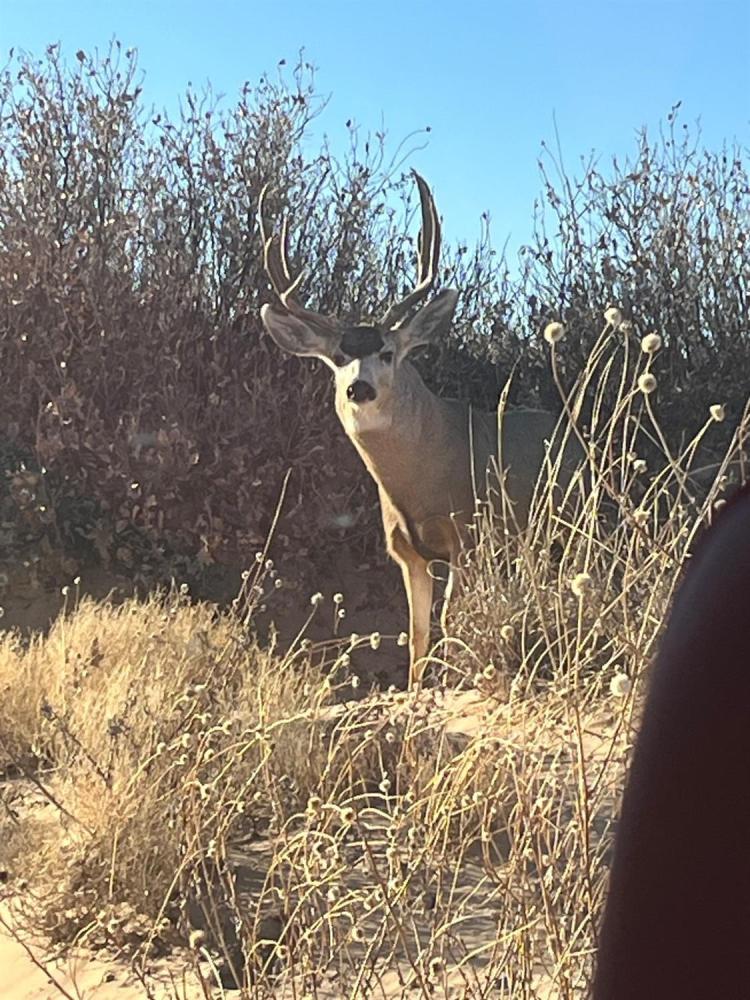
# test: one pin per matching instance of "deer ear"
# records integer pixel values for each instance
(299, 336)
(429, 323)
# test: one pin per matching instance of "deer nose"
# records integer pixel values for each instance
(360, 392)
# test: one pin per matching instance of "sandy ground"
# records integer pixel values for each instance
(27, 973)
(90, 978)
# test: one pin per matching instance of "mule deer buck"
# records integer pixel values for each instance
(429, 456)
(677, 918)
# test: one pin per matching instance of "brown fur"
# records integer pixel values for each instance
(418, 448)
(427, 505)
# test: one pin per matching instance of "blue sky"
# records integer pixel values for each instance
(489, 78)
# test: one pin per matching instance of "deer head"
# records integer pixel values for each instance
(365, 358)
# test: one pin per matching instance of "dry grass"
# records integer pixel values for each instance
(176, 782)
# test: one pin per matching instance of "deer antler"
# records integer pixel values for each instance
(428, 257)
(276, 264)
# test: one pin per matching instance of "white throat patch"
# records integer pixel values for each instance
(364, 418)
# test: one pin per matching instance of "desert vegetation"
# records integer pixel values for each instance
(180, 777)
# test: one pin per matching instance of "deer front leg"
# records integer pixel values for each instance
(418, 584)
(443, 534)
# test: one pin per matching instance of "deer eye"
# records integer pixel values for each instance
(339, 360)
(386, 357)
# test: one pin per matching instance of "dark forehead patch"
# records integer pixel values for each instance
(361, 341)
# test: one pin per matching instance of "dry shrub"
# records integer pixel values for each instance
(130, 714)
(663, 234)
(152, 424)
(590, 583)
(152, 420)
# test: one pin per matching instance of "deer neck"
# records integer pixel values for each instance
(393, 446)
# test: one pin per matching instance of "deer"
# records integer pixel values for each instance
(432, 459)
(677, 916)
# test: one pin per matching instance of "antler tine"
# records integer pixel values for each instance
(429, 234)
(428, 257)
(275, 258)
(276, 263)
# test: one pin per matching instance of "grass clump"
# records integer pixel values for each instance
(127, 716)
